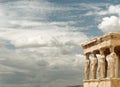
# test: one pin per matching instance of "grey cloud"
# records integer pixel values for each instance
(42, 63)
(16, 78)
(45, 53)
(40, 75)
(23, 10)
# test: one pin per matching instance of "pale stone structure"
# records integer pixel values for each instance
(112, 65)
(102, 69)
(107, 45)
(94, 66)
(87, 67)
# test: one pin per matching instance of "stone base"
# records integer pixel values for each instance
(111, 82)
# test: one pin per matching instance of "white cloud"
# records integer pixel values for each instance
(110, 24)
(37, 50)
(55, 53)
(48, 49)
(112, 9)
(25, 7)
(42, 37)
(17, 14)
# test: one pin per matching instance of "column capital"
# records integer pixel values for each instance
(101, 51)
(94, 54)
(87, 55)
(87, 67)
(112, 49)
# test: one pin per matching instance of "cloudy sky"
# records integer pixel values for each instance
(40, 40)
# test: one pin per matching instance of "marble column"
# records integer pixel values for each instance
(113, 65)
(94, 65)
(102, 71)
(87, 67)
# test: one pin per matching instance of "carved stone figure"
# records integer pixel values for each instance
(101, 70)
(112, 64)
(87, 68)
(108, 48)
(94, 67)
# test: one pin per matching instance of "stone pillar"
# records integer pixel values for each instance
(87, 67)
(102, 71)
(113, 65)
(94, 66)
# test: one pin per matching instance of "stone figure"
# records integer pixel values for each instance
(87, 68)
(101, 70)
(112, 64)
(94, 67)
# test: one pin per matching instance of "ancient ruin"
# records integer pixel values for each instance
(102, 66)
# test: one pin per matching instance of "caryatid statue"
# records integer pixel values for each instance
(112, 64)
(87, 67)
(102, 69)
(94, 66)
